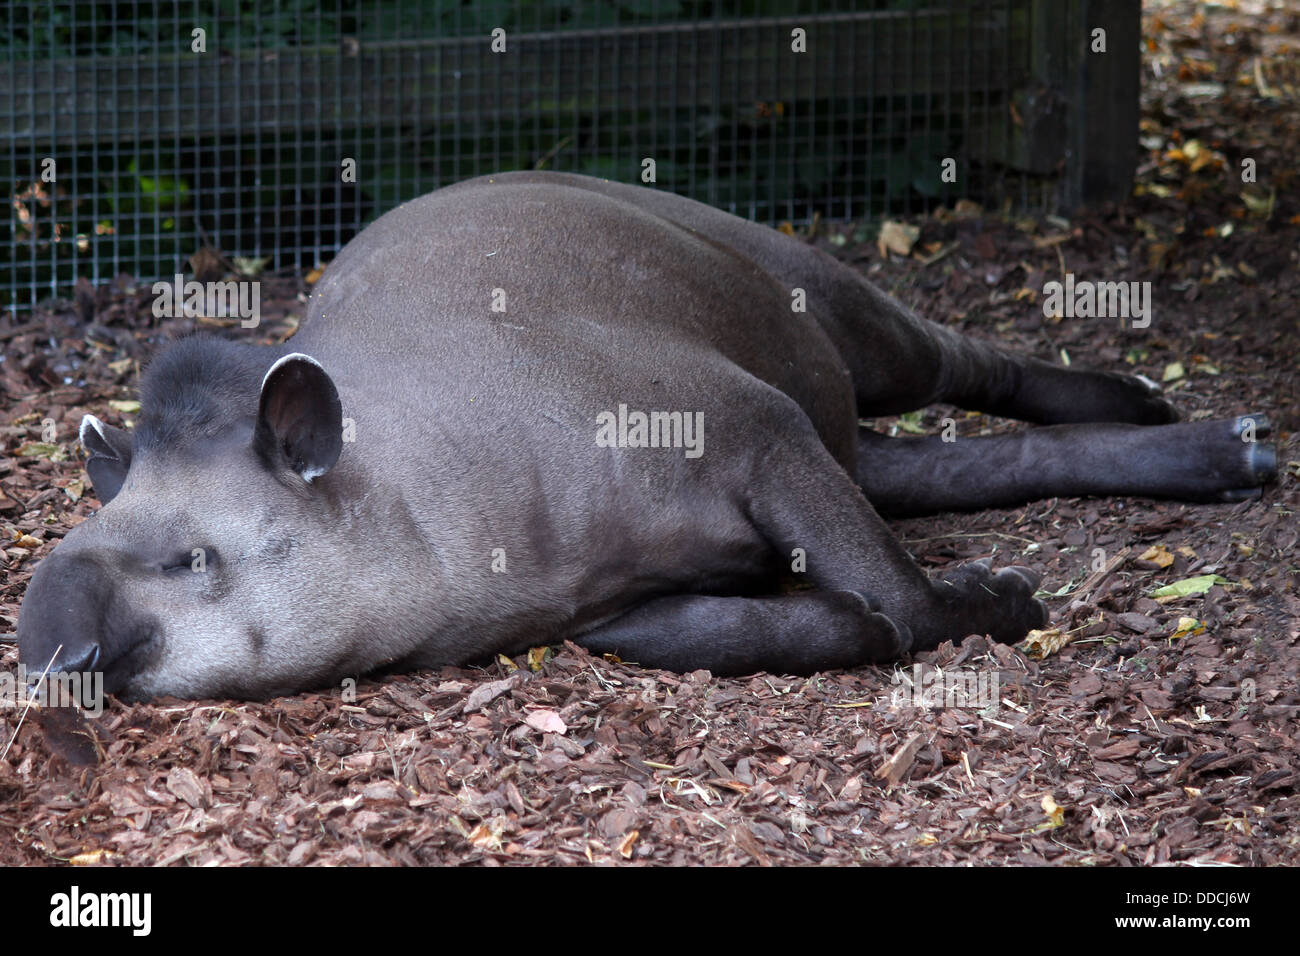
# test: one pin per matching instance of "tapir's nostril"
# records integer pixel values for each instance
(78, 659)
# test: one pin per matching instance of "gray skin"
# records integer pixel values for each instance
(330, 551)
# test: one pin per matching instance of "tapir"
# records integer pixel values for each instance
(537, 406)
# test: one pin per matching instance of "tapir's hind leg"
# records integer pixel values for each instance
(1197, 461)
(900, 362)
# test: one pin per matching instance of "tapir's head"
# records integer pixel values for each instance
(216, 564)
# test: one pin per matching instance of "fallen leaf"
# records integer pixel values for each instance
(1189, 586)
(897, 237)
(1158, 555)
(484, 694)
(42, 449)
(547, 721)
(1040, 644)
(1187, 626)
(1055, 814)
(92, 857)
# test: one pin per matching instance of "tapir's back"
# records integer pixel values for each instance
(545, 288)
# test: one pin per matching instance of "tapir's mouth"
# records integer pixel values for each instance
(138, 656)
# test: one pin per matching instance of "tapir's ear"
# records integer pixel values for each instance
(109, 456)
(299, 418)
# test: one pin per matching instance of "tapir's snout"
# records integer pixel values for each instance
(72, 621)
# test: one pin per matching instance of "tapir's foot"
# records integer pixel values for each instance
(1051, 395)
(1001, 604)
(1218, 460)
(1134, 399)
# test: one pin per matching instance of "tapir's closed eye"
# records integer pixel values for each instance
(191, 559)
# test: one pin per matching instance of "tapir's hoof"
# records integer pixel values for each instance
(1000, 604)
(1259, 459)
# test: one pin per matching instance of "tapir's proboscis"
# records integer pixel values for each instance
(538, 406)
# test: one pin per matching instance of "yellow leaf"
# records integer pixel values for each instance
(625, 845)
(125, 406)
(927, 839)
(507, 663)
(92, 857)
(896, 237)
(1157, 554)
(1041, 644)
(1187, 626)
(1174, 371)
(1055, 814)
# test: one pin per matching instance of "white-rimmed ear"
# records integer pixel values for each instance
(299, 418)
(108, 456)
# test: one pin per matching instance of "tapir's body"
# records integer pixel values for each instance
(424, 475)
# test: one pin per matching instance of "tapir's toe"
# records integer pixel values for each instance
(881, 637)
(1147, 403)
(1000, 604)
(1029, 574)
(1031, 612)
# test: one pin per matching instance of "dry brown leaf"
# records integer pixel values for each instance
(547, 721)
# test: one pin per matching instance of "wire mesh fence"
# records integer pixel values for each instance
(136, 133)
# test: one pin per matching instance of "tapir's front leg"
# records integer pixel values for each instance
(799, 498)
(877, 604)
(793, 633)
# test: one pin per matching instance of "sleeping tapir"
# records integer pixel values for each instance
(539, 406)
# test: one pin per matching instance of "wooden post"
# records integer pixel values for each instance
(1103, 126)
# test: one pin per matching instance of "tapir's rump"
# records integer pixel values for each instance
(540, 406)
